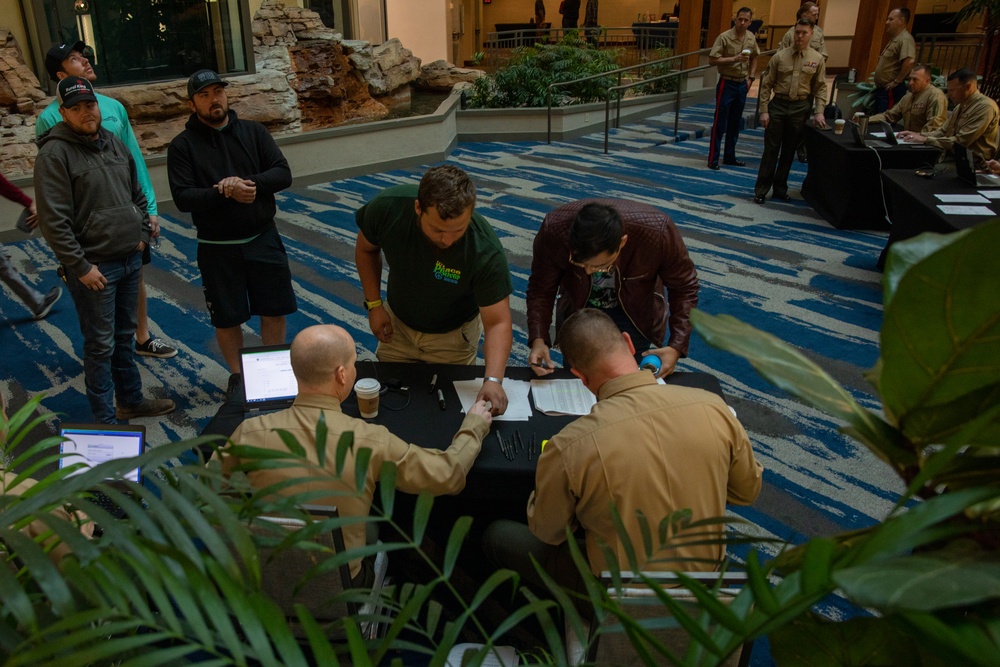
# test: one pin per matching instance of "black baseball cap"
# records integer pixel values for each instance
(73, 90)
(57, 54)
(202, 78)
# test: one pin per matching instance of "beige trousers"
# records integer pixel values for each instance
(458, 346)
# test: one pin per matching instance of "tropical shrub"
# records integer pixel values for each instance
(524, 80)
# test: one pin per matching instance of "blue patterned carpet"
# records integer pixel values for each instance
(779, 267)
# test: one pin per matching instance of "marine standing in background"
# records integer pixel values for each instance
(797, 79)
(735, 54)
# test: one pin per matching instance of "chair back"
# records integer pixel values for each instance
(283, 572)
(611, 646)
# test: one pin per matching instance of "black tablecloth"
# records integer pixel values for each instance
(913, 205)
(843, 183)
(422, 422)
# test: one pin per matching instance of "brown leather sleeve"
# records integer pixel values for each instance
(550, 253)
(680, 277)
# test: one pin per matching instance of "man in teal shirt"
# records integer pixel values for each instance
(65, 60)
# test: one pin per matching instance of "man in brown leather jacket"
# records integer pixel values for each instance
(620, 257)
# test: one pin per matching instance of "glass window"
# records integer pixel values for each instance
(149, 40)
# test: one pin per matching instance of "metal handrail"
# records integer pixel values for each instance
(617, 72)
(677, 102)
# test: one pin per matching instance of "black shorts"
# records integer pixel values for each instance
(245, 279)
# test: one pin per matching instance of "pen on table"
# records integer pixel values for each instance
(538, 365)
(441, 402)
(434, 384)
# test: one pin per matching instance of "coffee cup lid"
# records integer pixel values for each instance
(367, 385)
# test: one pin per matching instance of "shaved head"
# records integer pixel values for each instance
(319, 351)
(590, 341)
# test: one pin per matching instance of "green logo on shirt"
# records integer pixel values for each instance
(442, 272)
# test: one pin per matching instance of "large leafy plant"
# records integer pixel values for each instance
(179, 580)
(524, 80)
(930, 570)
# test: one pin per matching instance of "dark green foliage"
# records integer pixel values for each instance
(524, 80)
(658, 69)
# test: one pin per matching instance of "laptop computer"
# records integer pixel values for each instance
(861, 142)
(890, 134)
(93, 444)
(268, 381)
(965, 159)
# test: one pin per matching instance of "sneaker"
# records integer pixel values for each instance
(150, 407)
(235, 381)
(47, 303)
(154, 348)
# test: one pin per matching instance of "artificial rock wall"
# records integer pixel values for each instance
(308, 77)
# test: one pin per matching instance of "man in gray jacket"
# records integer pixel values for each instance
(92, 213)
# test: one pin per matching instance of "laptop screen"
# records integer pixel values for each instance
(267, 374)
(92, 444)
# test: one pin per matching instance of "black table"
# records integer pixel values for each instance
(843, 183)
(422, 422)
(913, 205)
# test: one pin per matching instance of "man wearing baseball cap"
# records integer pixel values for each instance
(70, 59)
(93, 215)
(225, 170)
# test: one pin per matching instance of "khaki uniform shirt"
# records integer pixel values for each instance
(890, 62)
(972, 124)
(818, 42)
(647, 447)
(727, 45)
(418, 469)
(922, 113)
(796, 75)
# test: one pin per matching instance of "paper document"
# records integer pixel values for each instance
(965, 210)
(963, 199)
(878, 135)
(990, 194)
(518, 407)
(562, 397)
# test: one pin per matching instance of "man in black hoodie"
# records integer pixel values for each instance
(225, 171)
(92, 213)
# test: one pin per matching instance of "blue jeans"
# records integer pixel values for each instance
(107, 322)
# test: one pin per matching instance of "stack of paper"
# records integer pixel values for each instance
(518, 407)
(562, 397)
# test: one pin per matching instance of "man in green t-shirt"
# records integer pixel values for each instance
(64, 60)
(448, 277)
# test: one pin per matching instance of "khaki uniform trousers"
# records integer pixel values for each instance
(458, 346)
(783, 134)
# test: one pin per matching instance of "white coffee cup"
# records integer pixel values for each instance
(838, 126)
(367, 390)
